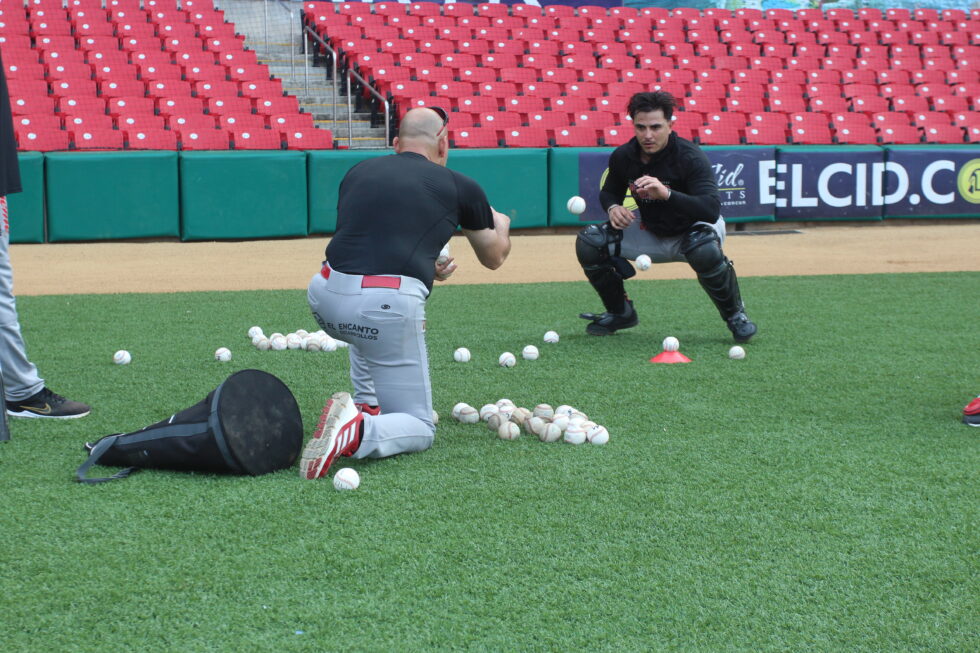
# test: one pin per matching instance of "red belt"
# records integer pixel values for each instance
(370, 281)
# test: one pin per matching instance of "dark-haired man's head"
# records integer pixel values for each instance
(651, 114)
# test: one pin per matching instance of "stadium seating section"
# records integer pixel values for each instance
(150, 75)
(529, 76)
(174, 74)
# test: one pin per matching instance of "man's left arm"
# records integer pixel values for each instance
(701, 201)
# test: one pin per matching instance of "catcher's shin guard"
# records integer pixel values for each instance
(604, 272)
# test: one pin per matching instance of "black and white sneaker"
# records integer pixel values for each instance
(48, 405)
(741, 326)
(605, 324)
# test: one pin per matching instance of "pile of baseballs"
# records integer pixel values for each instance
(298, 339)
(507, 421)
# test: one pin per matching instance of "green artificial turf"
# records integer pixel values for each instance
(821, 494)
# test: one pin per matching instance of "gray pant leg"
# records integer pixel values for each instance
(360, 376)
(20, 377)
(391, 345)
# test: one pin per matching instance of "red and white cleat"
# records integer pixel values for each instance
(337, 434)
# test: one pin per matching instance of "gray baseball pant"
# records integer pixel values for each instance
(638, 240)
(382, 318)
(20, 377)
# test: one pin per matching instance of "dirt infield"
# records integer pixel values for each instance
(76, 268)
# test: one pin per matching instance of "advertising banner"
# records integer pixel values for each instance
(932, 181)
(824, 183)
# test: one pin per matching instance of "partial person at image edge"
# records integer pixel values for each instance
(26, 393)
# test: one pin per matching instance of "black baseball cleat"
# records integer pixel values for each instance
(606, 324)
(48, 405)
(741, 326)
(971, 413)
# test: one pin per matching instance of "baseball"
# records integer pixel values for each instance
(342, 344)
(549, 433)
(435, 417)
(329, 344)
(575, 205)
(671, 344)
(504, 402)
(736, 353)
(551, 336)
(561, 421)
(277, 342)
(509, 431)
(346, 479)
(487, 410)
(534, 425)
(263, 344)
(276, 335)
(597, 435)
(530, 353)
(643, 262)
(462, 355)
(255, 331)
(520, 415)
(469, 415)
(122, 357)
(302, 333)
(443, 256)
(565, 410)
(293, 341)
(507, 359)
(574, 435)
(494, 420)
(312, 343)
(222, 354)
(544, 411)
(456, 410)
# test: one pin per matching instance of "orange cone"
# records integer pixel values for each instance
(670, 357)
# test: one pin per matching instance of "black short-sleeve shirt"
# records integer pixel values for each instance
(395, 213)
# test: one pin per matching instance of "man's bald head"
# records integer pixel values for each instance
(420, 123)
(421, 131)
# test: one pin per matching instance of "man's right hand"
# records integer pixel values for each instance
(620, 217)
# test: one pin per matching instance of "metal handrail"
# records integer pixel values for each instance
(292, 41)
(384, 103)
(333, 60)
(350, 112)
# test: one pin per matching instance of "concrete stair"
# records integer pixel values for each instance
(273, 30)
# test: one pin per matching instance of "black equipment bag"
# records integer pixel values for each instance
(250, 424)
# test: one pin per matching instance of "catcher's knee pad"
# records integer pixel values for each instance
(702, 249)
(593, 245)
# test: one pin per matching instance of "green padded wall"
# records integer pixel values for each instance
(26, 208)
(563, 182)
(243, 194)
(515, 182)
(110, 195)
(325, 170)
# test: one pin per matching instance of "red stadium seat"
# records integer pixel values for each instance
(474, 138)
(256, 139)
(97, 139)
(525, 137)
(943, 134)
(575, 136)
(208, 139)
(616, 135)
(898, 135)
(150, 139)
(29, 139)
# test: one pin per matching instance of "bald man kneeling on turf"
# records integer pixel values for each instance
(394, 215)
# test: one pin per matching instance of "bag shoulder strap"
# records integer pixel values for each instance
(93, 458)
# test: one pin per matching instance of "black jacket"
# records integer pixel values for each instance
(9, 170)
(681, 166)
